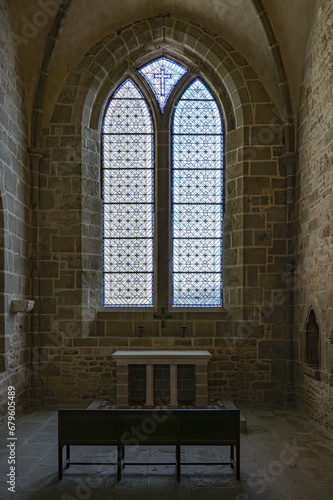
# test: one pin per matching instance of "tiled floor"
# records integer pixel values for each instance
(284, 456)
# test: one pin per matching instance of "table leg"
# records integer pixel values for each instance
(178, 461)
(60, 462)
(68, 455)
(119, 461)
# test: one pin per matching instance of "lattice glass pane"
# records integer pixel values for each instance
(129, 255)
(197, 290)
(197, 117)
(190, 255)
(127, 151)
(128, 186)
(127, 112)
(132, 289)
(162, 75)
(197, 151)
(128, 221)
(197, 199)
(128, 189)
(193, 186)
(193, 221)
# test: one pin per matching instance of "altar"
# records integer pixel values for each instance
(174, 362)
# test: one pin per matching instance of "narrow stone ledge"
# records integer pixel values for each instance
(312, 372)
(21, 306)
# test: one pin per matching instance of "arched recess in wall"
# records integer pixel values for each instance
(238, 91)
(159, 26)
(312, 343)
(311, 336)
(95, 105)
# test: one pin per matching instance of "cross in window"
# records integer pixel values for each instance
(162, 75)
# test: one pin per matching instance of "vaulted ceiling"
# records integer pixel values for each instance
(237, 21)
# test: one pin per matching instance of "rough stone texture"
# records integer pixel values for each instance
(14, 220)
(71, 342)
(314, 207)
(77, 340)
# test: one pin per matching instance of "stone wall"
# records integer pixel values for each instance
(276, 252)
(314, 212)
(14, 220)
(250, 337)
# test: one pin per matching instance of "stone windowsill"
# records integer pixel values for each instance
(146, 313)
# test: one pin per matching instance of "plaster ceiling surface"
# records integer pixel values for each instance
(228, 18)
(234, 20)
(291, 20)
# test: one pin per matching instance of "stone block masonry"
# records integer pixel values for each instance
(15, 220)
(77, 337)
(313, 216)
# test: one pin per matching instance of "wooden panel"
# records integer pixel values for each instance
(209, 426)
(89, 426)
(148, 427)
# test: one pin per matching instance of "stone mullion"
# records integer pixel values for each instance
(163, 220)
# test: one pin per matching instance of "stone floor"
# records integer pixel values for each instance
(284, 456)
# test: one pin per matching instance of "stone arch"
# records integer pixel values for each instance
(311, 335)
(71, 204)
(238, 86)
(312, 343)
(116, 53)
(159, 28)
(80, 105)
(98, 104)
(110, 63)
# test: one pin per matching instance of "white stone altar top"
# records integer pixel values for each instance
(161, 357)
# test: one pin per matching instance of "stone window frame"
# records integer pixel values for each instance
(162, 126)
(235, 90)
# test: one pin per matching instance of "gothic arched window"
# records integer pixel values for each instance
(162, 212)
(128, 198)
(312, 340)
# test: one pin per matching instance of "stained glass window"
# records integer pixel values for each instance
(197, 199)
(196, 188)
(128, 196)
(162, 75)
